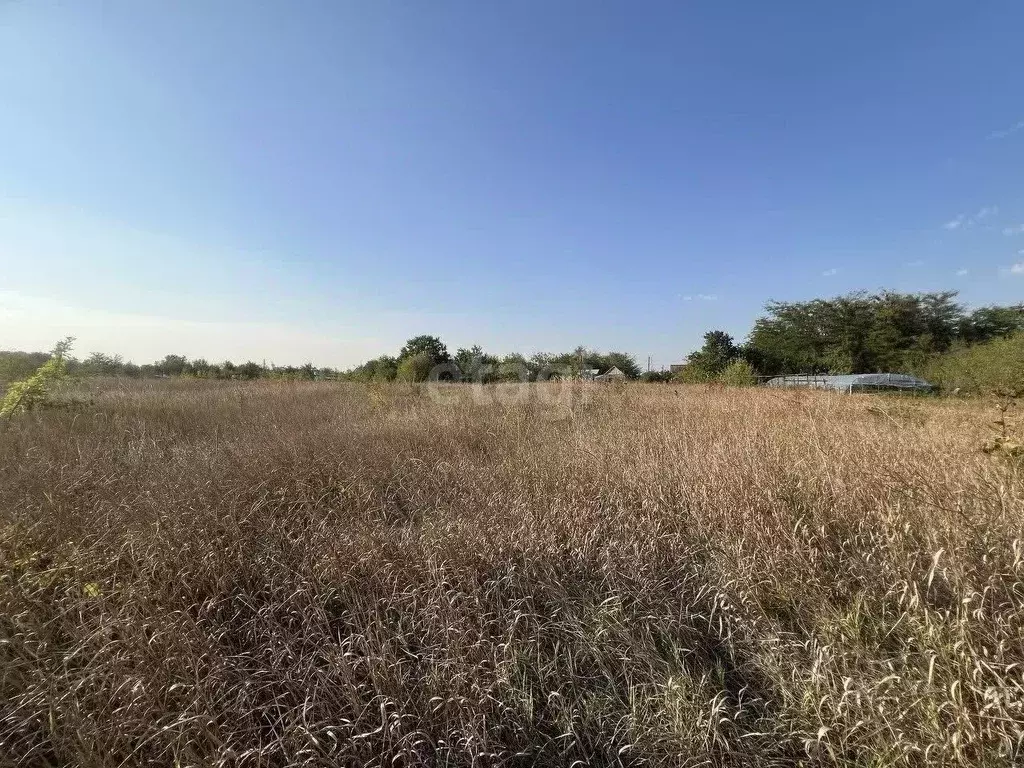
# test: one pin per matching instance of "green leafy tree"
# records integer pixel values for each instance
(172, 365)
(514, 367)
(476, 365)
(250, 370)
(942, 318)
(468, 360)
(37, 389)
(987, 323)
(570, 362)
(896, 326)
(200, 368)
(787, 340)
(432, 346)
(100, 364)
(846, 323)
(855, 333)
(383, 368)
(710, 360)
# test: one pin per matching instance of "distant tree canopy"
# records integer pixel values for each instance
(383, 368)
(474, 364)
(989, 323)
(861, 333)
(18, 365)
(855, 333)
(172, 365)
(582, 358)
(99, 364)
(431, 346)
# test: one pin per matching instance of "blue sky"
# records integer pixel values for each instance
(321, 180)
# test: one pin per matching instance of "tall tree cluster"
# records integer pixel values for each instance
(855, 333)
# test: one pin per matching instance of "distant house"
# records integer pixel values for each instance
(612, 374)
(676, 367)
(589, 374)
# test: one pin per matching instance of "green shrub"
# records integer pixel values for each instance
(738, 373)
(692, 373)
(415, 367)
(994, 367)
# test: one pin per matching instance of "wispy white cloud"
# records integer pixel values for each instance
(1017, 269)
(916, 263)
(966, 221)
(1019, 125)
(962, 272)
(830, 272)
(702, 297)
(1017, 230)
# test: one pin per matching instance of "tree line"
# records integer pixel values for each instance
(853, 333)
(884, 332)
(17, 365)
(414, 362)
(422, 355)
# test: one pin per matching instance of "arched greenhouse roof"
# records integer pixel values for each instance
(854, 381)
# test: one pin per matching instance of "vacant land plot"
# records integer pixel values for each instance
(271, 574)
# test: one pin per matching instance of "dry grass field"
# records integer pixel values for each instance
(267, 574)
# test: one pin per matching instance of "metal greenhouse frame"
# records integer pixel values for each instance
(855, 382)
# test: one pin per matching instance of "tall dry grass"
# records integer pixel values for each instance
(200, 574)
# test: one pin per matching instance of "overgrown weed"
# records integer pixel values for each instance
(218, 573)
